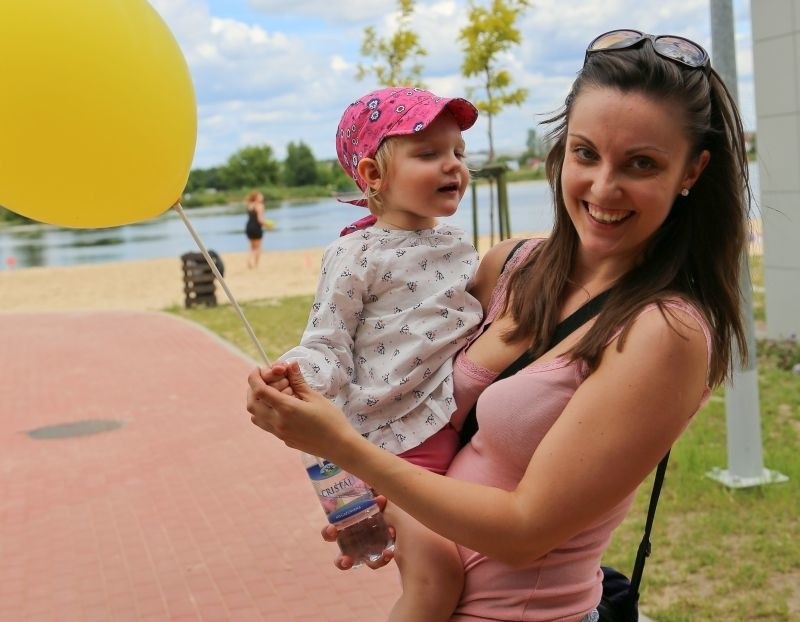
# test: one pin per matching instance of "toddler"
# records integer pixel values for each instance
(392, 308)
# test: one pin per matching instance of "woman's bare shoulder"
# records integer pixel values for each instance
(489, 269)
(675, 342)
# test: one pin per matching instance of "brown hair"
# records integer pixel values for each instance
(695, 255)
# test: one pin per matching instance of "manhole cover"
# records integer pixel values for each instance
(75, 428)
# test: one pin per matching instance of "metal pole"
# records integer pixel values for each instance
(474, 214)
(502, 204)
(742, 413)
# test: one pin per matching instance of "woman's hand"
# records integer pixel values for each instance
(343, 562)
(299, 416)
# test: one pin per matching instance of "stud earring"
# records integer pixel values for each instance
(684, 192)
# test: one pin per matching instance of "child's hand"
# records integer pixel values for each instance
(297, 414)
(275, 376)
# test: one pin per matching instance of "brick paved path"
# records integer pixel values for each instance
(185, 512)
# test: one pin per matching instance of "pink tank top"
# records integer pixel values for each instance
(514, 415)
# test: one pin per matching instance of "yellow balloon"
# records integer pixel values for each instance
(98, 120)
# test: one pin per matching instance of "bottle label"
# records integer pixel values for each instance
(341, 494)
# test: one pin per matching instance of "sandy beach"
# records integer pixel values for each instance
(155, 284)
(152, 284)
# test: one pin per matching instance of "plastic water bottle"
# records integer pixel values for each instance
(349, 505)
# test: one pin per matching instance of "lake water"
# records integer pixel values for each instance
(308, 224)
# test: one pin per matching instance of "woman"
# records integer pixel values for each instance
(254, 229)
(649, 178)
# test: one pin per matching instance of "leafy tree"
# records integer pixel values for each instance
(392, 53)
(332, 175)
(6, 215)
(300, 167)
(535, 147)
(489, 33)
(202, 178)
(534, 143)
(251, 167)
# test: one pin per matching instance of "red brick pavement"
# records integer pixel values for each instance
(186, 512)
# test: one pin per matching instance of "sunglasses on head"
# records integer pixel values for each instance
(674, 48)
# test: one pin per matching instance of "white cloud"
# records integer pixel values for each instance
(334, 12)
(340, 65)
(239, 38)
(272, 71)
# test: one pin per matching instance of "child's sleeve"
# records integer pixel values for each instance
(325, 352)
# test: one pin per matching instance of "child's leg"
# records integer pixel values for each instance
(430, 569)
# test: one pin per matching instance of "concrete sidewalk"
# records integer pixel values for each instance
(176, 507)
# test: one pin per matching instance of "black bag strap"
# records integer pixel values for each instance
(644, 546)
(511, 254)
(578, 318)
(562, 330)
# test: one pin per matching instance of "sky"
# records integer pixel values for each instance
(279, 71)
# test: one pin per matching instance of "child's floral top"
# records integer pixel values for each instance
(390, 312)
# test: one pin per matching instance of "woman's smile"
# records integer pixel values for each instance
(607, 216)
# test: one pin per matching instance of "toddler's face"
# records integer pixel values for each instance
(426, 177)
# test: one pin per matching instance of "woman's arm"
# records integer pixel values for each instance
(628, 413)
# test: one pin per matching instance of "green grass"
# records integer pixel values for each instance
(278, 323)
(718, 553)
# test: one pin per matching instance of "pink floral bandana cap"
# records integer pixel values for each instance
(392, 111)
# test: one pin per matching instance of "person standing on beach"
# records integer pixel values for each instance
(254, 229)
(648, 171)
(392, 308)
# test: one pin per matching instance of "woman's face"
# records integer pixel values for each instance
(626, 160)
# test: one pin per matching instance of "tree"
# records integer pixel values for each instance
(332, 175)
(251, 167)
(535, 147)
(392, 53)
(300, 167)
(534, 144)
(203, 178)
(489, 33)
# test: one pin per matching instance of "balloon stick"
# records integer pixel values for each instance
(213, 265)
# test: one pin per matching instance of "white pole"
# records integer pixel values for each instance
(742, 412)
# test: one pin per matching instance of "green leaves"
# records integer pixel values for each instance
(394, 53)
(300, 167)
(252, 166)
(490, 33)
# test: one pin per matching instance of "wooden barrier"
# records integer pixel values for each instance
(198, 279)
